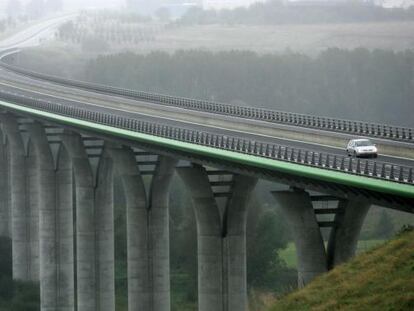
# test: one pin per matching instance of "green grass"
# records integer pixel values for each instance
(380, 279)
(288, 254)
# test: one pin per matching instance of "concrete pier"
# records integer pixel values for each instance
(159, 233)
(126, 174)
(24, 215)
(84, 194)
(312, 257)
(55, 225)
(105, 249)
(344, 236)
(310, 249)
(221, 241)
(147, 230)
(5, 212)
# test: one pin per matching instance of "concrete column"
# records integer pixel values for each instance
(343, 240)
(127, 173)
(55, 223)
(85, 223)
(209, 239)
(33, 197)
(5, 215)
(235, 245)
(104, 219)
(310, 249)
(221, 243)
(65, 252)
(147, 231)
(24, 220)
(160, 233)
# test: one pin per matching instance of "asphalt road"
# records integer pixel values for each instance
(10, 82)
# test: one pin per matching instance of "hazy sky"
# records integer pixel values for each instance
(121, 3)
(75, 4)
(95, 3)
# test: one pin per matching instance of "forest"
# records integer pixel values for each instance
(376, 86)
(359, 84)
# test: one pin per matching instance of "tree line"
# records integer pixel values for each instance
(278, 12)
(98, 31)
(365, 85)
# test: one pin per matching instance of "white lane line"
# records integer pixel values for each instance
(198, 124)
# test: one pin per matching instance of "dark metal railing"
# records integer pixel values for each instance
(372, 169)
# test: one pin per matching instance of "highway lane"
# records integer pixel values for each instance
(174, 115)
(131, 108)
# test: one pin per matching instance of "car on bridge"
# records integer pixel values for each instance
(361, 148)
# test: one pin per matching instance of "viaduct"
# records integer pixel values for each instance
(67, 146)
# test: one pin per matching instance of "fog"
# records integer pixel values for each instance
(76, 4)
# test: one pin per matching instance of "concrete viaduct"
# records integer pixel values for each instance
(57, 206)
(66, 147)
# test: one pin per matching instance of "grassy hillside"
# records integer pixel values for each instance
(381, 279)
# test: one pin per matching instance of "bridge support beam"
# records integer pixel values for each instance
(147, 230)
(159, 232)
(104, 228)
(343, 240)
(310, 249)
(23, 204)
(5, 212)
(55, 224)
(312, 257)
(85, 250)
(221, 241)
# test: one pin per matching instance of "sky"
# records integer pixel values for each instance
(76, 4)
(121, 3)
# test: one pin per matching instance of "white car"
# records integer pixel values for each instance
(362, 148)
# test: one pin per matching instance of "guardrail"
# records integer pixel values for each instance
(360, 128)
(372, 169)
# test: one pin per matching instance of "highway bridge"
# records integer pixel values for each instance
(67, 144)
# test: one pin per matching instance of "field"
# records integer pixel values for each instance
(308, 39)
(142, 36)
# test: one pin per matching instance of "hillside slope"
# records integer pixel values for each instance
(381, 279)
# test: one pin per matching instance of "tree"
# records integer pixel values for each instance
(264, 267)
(14, 8)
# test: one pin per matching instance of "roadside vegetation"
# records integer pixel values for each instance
(380, 279)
